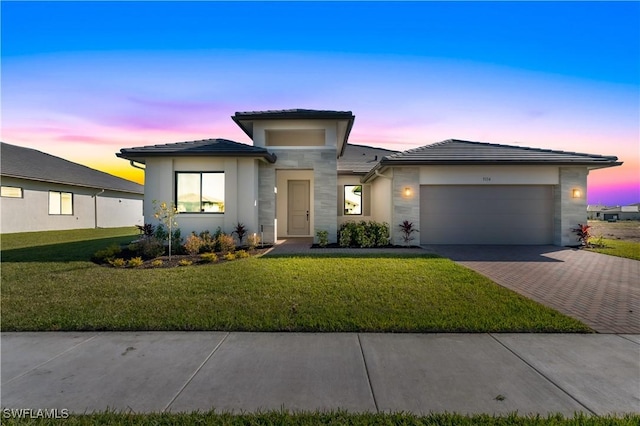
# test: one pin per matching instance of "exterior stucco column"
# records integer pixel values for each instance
(406, 202)
(570, 209)
(267, 202)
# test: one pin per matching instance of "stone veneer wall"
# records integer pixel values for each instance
(405, 208)
(323, 162)
(569, 211)
(267, 201)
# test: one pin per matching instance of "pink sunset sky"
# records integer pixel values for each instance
(106, 76)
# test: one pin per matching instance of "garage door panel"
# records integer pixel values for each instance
(468, 214)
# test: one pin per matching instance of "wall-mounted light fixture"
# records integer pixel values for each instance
(407, 191)
(576, 193)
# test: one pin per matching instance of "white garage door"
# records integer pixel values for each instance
(467, 214)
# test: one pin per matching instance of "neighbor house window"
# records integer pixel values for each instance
(10, 192)
(60, 202)
(200, 192)
(352, 199)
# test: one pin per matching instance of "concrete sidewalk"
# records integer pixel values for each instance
(359, 372)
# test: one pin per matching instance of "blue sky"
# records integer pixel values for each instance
(84, 79)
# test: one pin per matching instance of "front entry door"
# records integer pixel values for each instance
(298, 211)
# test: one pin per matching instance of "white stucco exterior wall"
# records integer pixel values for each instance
(241, 192)
(489, 175)
(31, 212)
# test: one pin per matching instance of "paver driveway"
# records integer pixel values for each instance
(600, 290)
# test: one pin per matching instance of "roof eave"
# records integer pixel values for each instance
(61, 182)
(140, 156)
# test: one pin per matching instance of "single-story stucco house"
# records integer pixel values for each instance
(301, 176)
(613, 213)
(41, 192)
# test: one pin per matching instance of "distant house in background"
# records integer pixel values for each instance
(41, 192)
(630, 212)
(611, 213)
(594, 211)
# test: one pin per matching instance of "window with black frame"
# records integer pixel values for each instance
(353, 199)
(200, 192)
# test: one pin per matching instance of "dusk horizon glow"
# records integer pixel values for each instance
(97, 77)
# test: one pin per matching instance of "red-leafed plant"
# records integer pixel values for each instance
(583, 234)
(407, 228)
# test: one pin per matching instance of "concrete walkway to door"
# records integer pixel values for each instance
(600, 290)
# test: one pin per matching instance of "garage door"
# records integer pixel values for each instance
(467, 214)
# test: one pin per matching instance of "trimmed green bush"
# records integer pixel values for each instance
(363, 234)
(106, 255)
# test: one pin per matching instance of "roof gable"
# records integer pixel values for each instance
(207, 147)
(27, 163)
(361, 158)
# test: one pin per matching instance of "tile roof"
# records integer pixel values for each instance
(296, 113)
(212, 147)
(454, 151)
(27, 163)
(360, 158)
(459, 152)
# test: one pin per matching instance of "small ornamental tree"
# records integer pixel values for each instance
(166, 213)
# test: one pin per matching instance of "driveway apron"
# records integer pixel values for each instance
(600, 290)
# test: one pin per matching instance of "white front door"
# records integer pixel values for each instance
(298, 207)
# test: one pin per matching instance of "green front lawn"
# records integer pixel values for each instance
(619, 248)
(55, 287)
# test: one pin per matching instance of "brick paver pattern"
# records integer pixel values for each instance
(600, 290)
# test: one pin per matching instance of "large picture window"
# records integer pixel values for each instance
(60, 202)
(353, 199)
(200, 192)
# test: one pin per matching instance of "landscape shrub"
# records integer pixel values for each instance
(157, 262)
(241, 254)
(176, 242)
(118, 262)
(208, 242)
(323, 238)
(146, 230)
(407, 228)
(229, 256)
(240, 231)
(193, 244)
(185, 262)
(209, 257)
(160, 233)
(107, 254)
(363, 234)
(226, 243)
(148, 248)
(252, 241)
(134, 262)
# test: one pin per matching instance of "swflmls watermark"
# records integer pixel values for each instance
(31, 413)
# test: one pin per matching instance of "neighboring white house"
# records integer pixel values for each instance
(41, 192)
(301, 176)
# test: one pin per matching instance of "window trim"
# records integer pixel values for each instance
(11, 187)
(344, 200)
(60, 206)
(200, 173)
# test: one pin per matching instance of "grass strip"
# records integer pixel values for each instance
(285, 417)
(619, 248)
